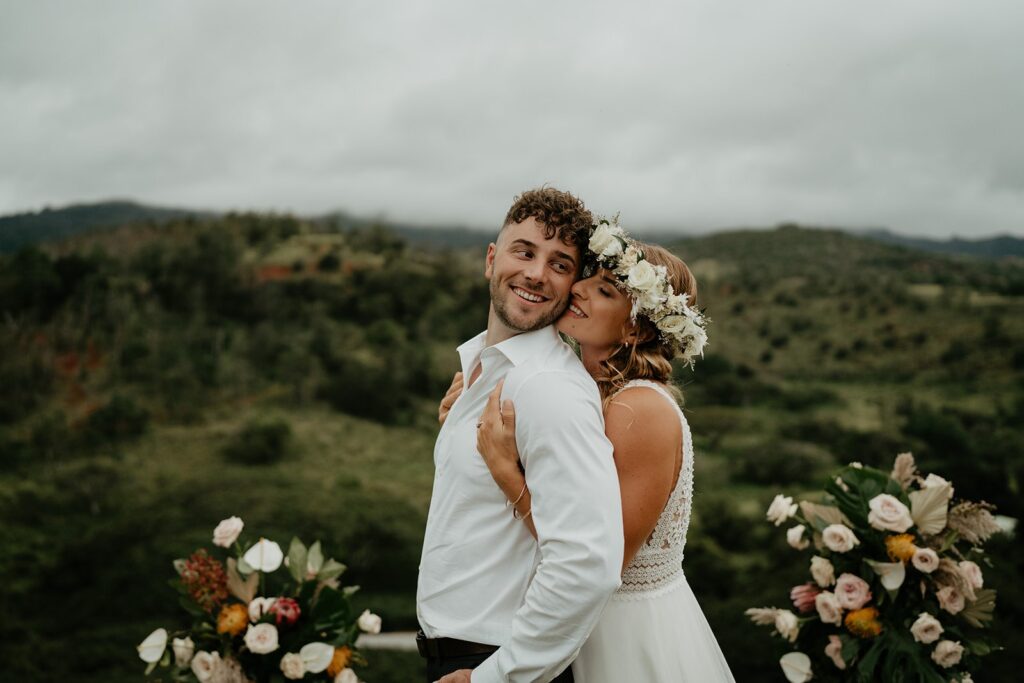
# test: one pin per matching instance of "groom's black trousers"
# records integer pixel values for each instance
(439, 666)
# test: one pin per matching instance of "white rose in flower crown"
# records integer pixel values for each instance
(205, 665)
(184, 648)
(292, 666)
(834, 651)
(227, 532)
(829, 609)
(889, 514)
(925, 560)
(839, 538)
(260, 606)
(781, 509)
(787, 624)
(346, 675)
(971, 573)
(261, 639)
(642, 277)
(926, 629)
(674, 324)
(822, 571)
(369, 622)
(950, 599)
(606, 241)
(795, 537)
(948, 653)
(266, 556)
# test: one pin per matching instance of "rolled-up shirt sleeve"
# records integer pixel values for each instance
(577, 511)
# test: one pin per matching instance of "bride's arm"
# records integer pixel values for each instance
(647, 437)
(496, 442)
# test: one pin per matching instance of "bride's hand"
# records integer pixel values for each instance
(496, 439)
(449, 398)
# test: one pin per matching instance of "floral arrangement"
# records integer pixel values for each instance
(251, 624)
(896, 591)
(680, 325)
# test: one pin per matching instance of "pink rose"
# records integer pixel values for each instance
(285, 610)
(925, 560)
(829, 609)
(834, 651)
(852, 591)
(950, 599)
(889, 514)
(972, 573)
(948, 653)
(803, 597)
(227, 532)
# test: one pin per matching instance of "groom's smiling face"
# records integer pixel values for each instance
(530, 276)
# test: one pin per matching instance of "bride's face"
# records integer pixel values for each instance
(598, 313)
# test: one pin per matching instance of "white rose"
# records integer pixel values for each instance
(839, 538)
(316, 656)
(935, 481)
(346, 675)
(258, 607)
(889, 514)
(787, 625)
(227, 532)
(265, 556)
(950, 599)
(925, 560)
(972, 573)
(183, 650)
(795, 537)
(605, 241)
(829, 609)
(292, 666)
(205, 665)
(797, 667)
(948, 653)
(642, 277)
(369, 622)
(152, 648)
(261, 639)
(926, 629)
(673, 324)
(781, 509)
(823, 572)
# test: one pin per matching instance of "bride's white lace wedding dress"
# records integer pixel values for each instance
(653, 630)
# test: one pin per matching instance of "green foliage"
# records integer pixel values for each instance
(263, 441)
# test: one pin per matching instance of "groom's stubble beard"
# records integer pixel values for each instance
(499, 300)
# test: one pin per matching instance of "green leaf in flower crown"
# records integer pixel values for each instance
(979, 612)
(330, 570)
(297, 560)
(929, 508)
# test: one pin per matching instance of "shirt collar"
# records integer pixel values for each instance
(517, 349)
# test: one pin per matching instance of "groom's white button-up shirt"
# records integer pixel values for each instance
(483, 577)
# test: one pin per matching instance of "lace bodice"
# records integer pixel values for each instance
(658, 565)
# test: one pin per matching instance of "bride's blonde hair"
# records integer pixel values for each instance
(648, 357)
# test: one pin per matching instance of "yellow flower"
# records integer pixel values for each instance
(863, 622)
(342, 655)
(901, 547)
(232, 619)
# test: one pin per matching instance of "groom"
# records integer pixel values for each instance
(493, 603)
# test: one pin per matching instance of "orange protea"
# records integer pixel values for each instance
(863, 622)
(232, 619)
(342, 655)
(901, 547)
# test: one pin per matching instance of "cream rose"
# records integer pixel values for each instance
(258, 607)
(642, 277)
(925, 560)
(926, 629)
(261, 639)
(605, 240)
(950, 599)
(822, 571)
(227, 532)
(852, 591)
(205, 665)
(839, 538)
(292, 666)
(972, 573)
(781, 509)
(829, 609)
(889, 514)
(787, 625)
(834, 651)
(346, 675)
(795, 537)
(184, 648)
(948, 653)
(264, 556)
(369, 622)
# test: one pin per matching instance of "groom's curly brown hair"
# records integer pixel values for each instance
(559, 213)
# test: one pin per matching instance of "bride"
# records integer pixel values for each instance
(631, 316)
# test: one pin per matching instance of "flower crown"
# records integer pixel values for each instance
(682, 327)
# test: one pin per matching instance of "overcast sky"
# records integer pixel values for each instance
(690, 115)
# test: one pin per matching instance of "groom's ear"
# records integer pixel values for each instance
(489, 261)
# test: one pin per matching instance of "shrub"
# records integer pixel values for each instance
(780, 463)
(262, 441)
(119, 420)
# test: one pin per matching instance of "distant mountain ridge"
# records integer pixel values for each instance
(17, 230)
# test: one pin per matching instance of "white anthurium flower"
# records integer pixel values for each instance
(891, 574)
(153, 647)
(797, 667)
(316, 656)
(265, 556)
